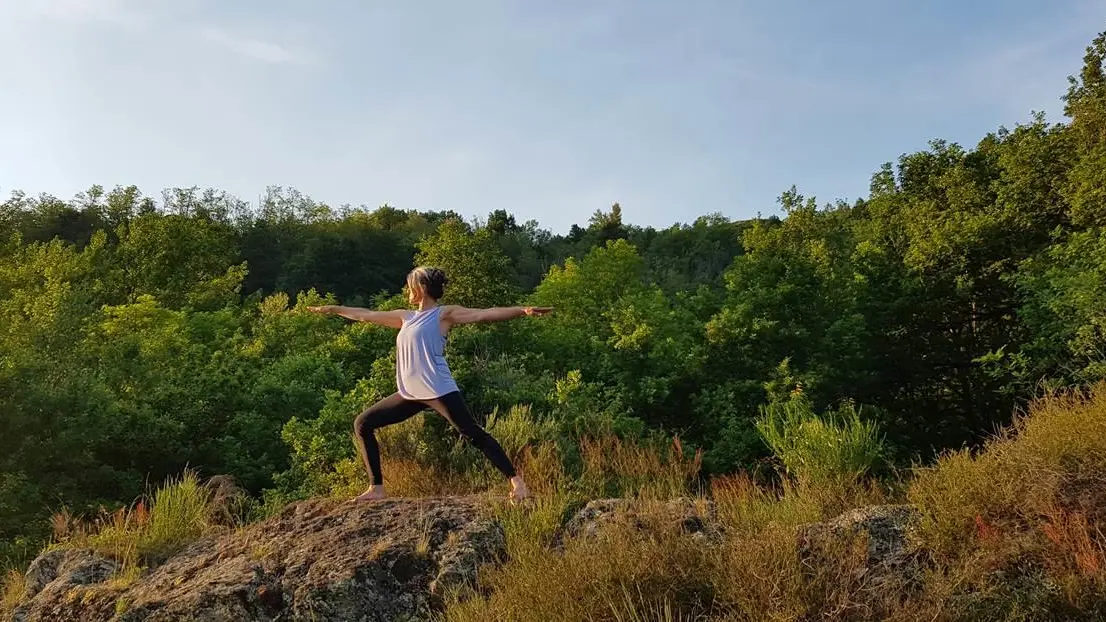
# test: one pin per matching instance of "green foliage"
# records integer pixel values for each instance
(1065, 290)
(478, 271)
(835, 449)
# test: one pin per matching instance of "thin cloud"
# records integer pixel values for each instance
(117, 12)
(264, 51)
(1028, 73)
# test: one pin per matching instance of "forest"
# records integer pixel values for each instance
(148, 334)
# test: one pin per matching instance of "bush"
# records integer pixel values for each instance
(831, 452)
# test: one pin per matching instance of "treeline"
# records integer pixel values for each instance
(142, 336)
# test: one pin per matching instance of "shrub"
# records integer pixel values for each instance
(829, 453)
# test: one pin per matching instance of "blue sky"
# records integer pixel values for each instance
(550, 110)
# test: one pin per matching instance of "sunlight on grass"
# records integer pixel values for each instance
(1033, 498)
(613, 467)
(582, 583)
(1028, 507)
(12, 591)
(179, 512)
(745, 508)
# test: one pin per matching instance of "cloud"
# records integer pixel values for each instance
(264, 51)
(117, 12)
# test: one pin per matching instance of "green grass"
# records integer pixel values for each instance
(147, 533)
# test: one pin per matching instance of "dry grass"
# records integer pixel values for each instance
(1027, 511)
(148, 532)
(1015, 532)
(661, 573)
(12, 591)
(590, 579)
(144, 534)
(748, 509)
(613, 467)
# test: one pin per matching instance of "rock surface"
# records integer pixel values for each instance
(326, 560)
(894, 559)
(696, 517)
(317, 560)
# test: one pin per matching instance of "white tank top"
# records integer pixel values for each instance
(421, 369)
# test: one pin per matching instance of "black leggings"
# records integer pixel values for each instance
(396, 408)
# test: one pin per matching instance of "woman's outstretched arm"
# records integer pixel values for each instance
(462, 315)
(391, 319)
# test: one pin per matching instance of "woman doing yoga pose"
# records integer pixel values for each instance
(423, 379)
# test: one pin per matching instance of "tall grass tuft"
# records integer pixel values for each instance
(12, 590)
(180, 513)
(746, 509)
(828, 454)
(177, 513)
(613, 467)
(520, 429)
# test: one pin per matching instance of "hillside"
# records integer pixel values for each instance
(1011, 533)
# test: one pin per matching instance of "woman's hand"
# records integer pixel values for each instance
(536, 311)
(321, 309)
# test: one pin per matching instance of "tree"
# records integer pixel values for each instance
(479, 273)
(500, 222)
(1085, 103)
(607, 226)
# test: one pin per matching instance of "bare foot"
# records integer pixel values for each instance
(519, 490)
(372, 494)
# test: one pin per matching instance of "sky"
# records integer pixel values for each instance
(549, 110)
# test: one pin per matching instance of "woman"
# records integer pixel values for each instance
(423, 378)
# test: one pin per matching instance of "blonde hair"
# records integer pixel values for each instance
(431, 280)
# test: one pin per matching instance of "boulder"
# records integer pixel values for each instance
(317, 560)
(894, 559)
(696, 517)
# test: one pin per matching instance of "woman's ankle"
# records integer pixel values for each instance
(375, 491)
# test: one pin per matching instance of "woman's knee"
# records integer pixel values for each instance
(362, 425)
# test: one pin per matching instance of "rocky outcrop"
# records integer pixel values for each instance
(693, 516)
(894, 559)
(394, 560)
(317, 560)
